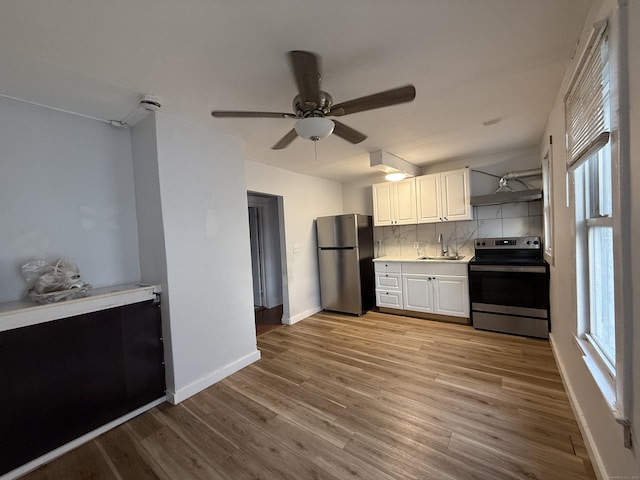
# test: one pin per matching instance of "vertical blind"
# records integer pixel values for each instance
(586, 122)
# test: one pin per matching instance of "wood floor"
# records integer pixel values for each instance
(267, 319)
(374, 398)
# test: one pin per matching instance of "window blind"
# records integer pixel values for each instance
(586, 119)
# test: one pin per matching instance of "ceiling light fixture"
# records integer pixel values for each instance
(395, 176)
(314, 128)
(395, 167)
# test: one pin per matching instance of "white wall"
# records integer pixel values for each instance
(208, 260)
(66, 189)
(602, 433)
(357, 196)
(152, 252)
(304, 199)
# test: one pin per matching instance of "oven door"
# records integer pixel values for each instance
(510, 289)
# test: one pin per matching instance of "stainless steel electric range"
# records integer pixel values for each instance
(509, 286)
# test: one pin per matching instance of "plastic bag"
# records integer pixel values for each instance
(56, 281)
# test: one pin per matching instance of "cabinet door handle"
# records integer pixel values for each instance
(446, 218)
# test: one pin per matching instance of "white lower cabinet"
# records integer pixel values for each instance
(441, 294)
(418, 293)
(425, 287)
(451, 295)
(388, 284)
(389, 299)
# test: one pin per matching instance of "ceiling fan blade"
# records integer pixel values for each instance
(286, 140)
(377, 100)
(234, 114)
(348, 133)
(307, 72)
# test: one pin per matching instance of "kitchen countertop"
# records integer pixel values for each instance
(390, 258)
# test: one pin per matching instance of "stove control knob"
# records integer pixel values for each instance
(483, 244)
(536, 242)
(477, 244)
(528, 242)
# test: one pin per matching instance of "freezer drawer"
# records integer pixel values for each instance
(340, 280)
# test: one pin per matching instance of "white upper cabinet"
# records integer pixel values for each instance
(383, 204)
(394, 203)
(456, 195)
(429, 198)
(443, 197)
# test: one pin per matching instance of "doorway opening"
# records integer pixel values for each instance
(267, 238)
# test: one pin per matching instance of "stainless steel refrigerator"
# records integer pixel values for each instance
(345, 259)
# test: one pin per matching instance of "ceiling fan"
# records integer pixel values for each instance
(312, 105)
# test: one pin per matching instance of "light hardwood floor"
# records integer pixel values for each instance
(340, 397)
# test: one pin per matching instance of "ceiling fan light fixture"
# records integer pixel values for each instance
(314, 128)
(395, 176)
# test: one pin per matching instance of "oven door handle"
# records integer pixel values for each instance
(508, 268)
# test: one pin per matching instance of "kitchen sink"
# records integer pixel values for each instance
(426, 257)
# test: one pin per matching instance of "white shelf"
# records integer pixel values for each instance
(24, 313)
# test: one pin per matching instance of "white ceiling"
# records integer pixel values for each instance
(472, 61)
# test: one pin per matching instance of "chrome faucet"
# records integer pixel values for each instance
(443, 249)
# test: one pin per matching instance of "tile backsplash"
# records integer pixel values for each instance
(507, 220)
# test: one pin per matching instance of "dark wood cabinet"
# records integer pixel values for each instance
(64, 378)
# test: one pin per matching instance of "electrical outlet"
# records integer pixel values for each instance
(416, 245)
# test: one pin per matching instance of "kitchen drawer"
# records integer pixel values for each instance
(434, 268)
(388, 281)
(390, 299)
(387, 267)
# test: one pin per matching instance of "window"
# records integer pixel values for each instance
(597, 104)
(588, 123)
(594, 235)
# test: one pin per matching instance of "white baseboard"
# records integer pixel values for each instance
(213, 377)
(301, 316)
(67, 447)
(590, 444)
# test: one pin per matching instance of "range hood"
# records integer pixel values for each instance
(507, 197)
(506, 194)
